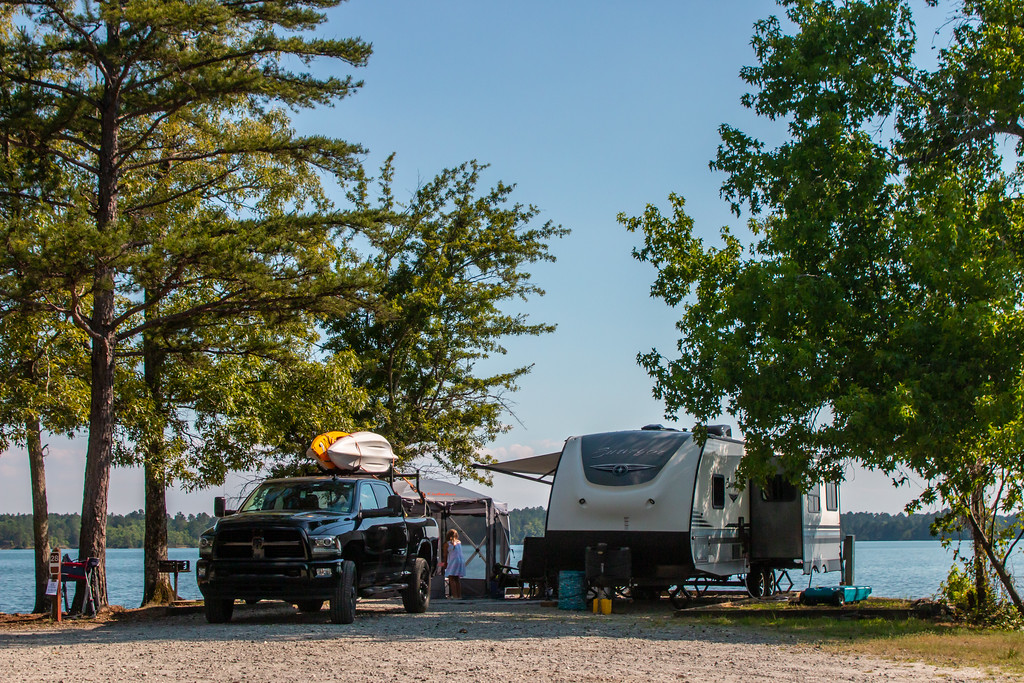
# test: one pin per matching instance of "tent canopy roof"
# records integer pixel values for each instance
(444, 494)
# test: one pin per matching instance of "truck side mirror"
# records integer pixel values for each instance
(218, 506)
(395, 505)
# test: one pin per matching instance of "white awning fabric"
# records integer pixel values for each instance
(536, 465)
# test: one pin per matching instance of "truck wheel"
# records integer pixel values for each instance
(218, 611)
(309, 605)
(343, 602)
(416, 597)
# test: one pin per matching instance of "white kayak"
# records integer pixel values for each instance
(352, 452)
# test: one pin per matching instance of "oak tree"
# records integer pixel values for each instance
(875, 313)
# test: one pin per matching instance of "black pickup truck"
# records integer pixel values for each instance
(307, 540)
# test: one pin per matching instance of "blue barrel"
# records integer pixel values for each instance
(572, 590)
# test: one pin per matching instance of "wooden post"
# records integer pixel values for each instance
(848, 560)
(54, 585)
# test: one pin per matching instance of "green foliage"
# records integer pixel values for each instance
(878, 314)
(449, 265)
(959, 592)
(45, 375)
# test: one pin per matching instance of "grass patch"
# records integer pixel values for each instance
(939, 644)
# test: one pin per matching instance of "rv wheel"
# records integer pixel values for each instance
(755, 582)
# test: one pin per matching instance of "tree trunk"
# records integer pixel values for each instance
(93, 538)
(40, 514)
(102, 330)
(156, 588)
(997, 564)
(979, 512)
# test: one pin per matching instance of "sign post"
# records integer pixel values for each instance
(53, 587)
(173, 567)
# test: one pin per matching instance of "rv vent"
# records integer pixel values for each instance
(720, 430)
(657, 428)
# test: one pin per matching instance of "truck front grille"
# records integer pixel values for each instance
(260, 544)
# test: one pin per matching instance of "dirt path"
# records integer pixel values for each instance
(455, 641)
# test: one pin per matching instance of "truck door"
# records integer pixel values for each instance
(375, 535)
(396, 545)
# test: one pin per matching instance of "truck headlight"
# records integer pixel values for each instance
(206, 546)
(324, 546)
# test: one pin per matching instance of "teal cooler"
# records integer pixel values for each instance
(572, 590)
(834, 595)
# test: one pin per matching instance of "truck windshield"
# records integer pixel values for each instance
(329, 494)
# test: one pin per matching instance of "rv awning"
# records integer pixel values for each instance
(533, 468)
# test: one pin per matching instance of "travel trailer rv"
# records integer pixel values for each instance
(679, 509)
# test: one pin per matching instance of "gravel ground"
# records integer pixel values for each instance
(456, 640)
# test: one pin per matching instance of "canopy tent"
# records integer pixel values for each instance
(481, 522)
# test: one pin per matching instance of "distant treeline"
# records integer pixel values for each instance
(526, 522)
(881, 526)
(866, 526)
(123, 531)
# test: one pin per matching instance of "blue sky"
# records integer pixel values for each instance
(590, 109)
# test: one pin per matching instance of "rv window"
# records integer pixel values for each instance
(778, 490)
(814, 500)
(718, 491)
(831, 496)
(629, 458)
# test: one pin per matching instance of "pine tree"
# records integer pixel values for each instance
(99, 99)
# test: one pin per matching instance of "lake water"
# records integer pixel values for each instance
(896, 569)
(124, 577)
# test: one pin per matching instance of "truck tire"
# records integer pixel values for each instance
(218, 611)
(416, 597)
(311, 606)
(343, 602)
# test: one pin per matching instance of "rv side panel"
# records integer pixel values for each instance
(821, 533)
(718, 505)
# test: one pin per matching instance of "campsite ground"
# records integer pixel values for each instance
(455, 640)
